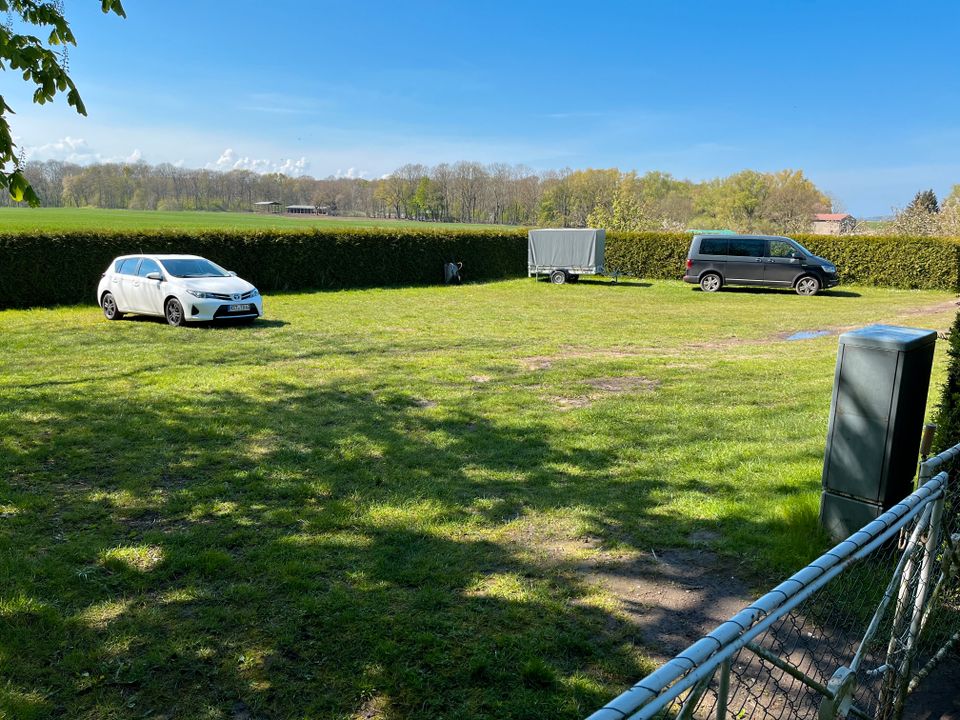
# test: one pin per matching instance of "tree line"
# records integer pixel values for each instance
(466, 192)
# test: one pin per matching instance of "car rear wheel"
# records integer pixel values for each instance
(808, 285)
(558, 277)
(109, 305)
(711, 282)
(173, 311)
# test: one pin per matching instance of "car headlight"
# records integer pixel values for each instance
(254, 293)
(830, 268)
(198, 293)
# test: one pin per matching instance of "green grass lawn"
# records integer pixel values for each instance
(14, 220)
(380, 503)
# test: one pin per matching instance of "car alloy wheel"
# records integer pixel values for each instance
(808, 285)
(710, 282)
(174, 312)
(109, 305)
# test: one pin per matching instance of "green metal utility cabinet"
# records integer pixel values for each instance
(876, 418)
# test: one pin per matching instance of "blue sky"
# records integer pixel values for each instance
(862, 96)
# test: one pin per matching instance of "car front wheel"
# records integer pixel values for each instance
(109, 305)
(808, 285)
(173, 311)
(710, 282)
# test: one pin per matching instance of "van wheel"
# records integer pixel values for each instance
(558, 277)
(711, 282)
(808, 285)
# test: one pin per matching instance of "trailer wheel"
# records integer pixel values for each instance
(558, 277)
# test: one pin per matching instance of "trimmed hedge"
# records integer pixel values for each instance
(948, 412)
(63, 268)
(922, 263)
(48, 269)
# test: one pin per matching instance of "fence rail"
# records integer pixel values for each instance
(853, 633)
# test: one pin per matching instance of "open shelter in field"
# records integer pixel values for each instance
(565, 254)
(302, 209)
(267, 206)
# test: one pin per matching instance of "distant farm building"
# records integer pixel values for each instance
(303, 209)
(267, 206)
(833, 223)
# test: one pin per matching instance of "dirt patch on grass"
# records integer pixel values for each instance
(602, 387)
(673, 597)
(372, 708)
(545, 362)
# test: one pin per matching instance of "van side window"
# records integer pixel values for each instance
(713, 246)
(747, 247)
(783, 249)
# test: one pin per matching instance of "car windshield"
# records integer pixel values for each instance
(194, 268)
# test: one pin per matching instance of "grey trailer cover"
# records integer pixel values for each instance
(566, 248)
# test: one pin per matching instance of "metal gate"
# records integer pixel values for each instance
(853, 633)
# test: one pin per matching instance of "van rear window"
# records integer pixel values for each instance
(713, 246)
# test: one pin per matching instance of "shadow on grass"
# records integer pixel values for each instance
(210, 324)
(306, 554)
(755, 290)
(590, 280)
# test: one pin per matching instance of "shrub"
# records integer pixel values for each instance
(923, 263)
(948, 412)
(47, 269)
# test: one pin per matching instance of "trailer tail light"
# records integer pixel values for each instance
(689, 263)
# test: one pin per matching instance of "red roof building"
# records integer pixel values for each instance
(833, 223)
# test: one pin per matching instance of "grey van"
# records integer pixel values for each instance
(771, 261)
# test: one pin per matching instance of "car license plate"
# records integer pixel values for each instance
(239, 308)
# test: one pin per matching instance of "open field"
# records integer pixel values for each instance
(14, 220)
(397, 503)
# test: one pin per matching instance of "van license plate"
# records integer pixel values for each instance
(239, 308)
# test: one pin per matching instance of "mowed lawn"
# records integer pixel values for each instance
(17, 220)
(385, 503)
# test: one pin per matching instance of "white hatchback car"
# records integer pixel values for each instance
(180, 288)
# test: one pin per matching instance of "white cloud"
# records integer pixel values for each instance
(76, 150)
(230, 160)
(351, 174)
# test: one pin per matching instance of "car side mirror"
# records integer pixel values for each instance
(231, 273)
(154, 276)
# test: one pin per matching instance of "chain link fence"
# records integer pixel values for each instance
(852, 634)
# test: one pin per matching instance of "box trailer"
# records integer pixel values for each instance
(565, 255)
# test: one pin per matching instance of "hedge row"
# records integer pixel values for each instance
(62, 268)
(48, 269)
(948, 411)
(924, 263)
